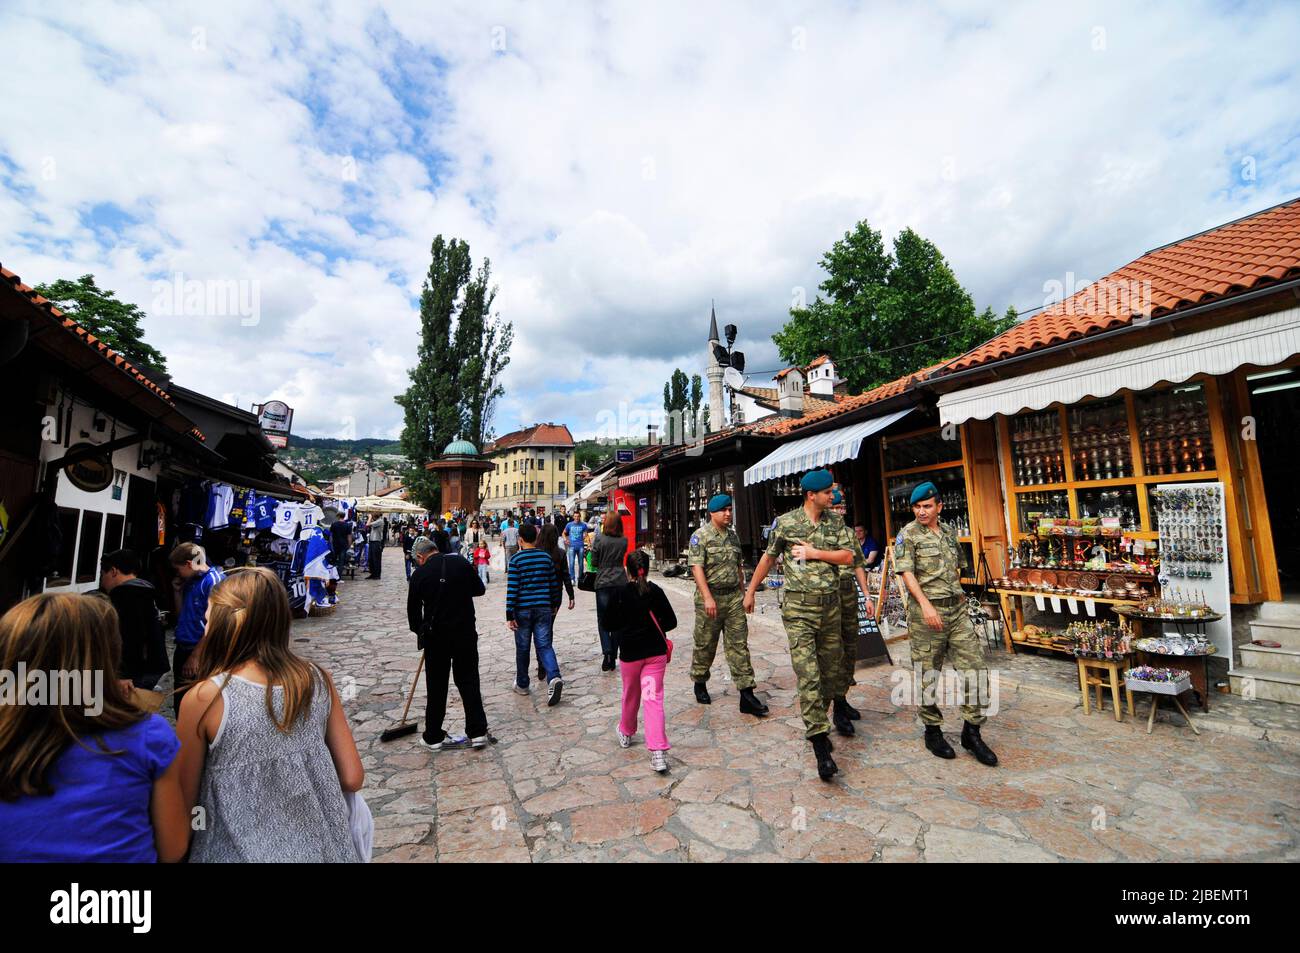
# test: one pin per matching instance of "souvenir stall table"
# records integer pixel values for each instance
(1183, 651)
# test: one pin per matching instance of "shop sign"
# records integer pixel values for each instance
(275, 417)
(91, 474)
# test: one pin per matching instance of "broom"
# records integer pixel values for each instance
(406, 728)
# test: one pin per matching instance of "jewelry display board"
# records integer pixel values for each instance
(1191, 519)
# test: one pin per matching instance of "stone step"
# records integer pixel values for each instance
(1273, 686)
(1284, 632)
(1280, 612)
(1270, 659)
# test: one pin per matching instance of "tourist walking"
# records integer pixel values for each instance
(266, 750)
(378, 533)
(608, 551)
(532, 587)
(193, 585)
(575, 532)
(642, 616)
(144, 646)
(548, 541)
(83, 779)
(509, 540)
(440, 611)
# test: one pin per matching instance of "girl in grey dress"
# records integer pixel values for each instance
(266, 752)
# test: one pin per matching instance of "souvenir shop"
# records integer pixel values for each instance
(1148, 501)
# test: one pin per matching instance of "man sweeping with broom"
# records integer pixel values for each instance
(440, 611)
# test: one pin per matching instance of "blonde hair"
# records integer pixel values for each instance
(188, 553)
(57, 632)
(248, 621)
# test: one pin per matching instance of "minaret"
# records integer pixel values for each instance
(713, 371)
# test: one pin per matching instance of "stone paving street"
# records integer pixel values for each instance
(557, 787)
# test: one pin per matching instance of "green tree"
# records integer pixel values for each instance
(482, 347)
(432, 412)
(697, 397)
(676, 407)
(464, 347)
(886, 315)
(98, 310)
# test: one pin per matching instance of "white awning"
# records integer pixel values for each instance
(1263, 341)
(809, 453)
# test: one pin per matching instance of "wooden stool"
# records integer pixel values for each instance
(1155, 702)
(1099, 681)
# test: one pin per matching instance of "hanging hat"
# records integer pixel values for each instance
(924, 491)
(719, 501)
(816, 480)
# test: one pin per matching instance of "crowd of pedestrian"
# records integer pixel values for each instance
(262, 754)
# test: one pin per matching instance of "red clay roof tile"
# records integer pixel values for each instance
(1239, 256)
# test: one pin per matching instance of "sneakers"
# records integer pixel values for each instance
(519, 689)
(447, 741)
(480, 742)
(624, 741)
(659, 761)
(557, 686)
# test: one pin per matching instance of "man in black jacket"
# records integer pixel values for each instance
(440, 611)
(144, 649)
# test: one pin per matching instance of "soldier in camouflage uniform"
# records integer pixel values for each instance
(811, 544)
(929, 558)
(852, 577)
(715, 564)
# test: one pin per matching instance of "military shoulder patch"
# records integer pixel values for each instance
(695, 539)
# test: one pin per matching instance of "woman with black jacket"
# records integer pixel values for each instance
(640, 615)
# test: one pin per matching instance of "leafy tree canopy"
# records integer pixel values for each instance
(116, 323)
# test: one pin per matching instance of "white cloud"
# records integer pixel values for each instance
(621, 165)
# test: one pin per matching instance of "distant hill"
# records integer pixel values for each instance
(355, 446)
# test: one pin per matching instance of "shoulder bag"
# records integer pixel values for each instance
(587, 581)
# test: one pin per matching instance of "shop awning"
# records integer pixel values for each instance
(1263, 340)
(639, 476)
(822, 450)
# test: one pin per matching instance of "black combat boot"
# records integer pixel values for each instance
(702, 694)
(750, 703)
(972, 742)
(840, 717)
(826, 766)
(849, 710)
(937, 743)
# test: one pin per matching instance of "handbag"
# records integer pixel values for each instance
(587, 581)
(664, 634)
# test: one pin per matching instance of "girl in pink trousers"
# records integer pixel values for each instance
(640, 618)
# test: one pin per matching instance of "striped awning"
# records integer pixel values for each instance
(1262, 341)
(809, 453)
(639, 476)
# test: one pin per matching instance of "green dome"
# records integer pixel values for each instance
(460, 448)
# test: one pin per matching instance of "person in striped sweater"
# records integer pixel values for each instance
(532, 587)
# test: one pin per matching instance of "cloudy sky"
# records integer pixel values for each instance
(621, 164)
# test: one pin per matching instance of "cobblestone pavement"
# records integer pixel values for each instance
(557, 787)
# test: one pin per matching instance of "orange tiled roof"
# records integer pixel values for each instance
(781, 426)
(92, 342)
(538, 435)
(1248, 253)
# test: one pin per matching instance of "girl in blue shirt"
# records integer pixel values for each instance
(84, 775)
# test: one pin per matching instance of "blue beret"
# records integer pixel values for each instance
(924, 491)
(816, 480)
(838, 498)
(718, 502)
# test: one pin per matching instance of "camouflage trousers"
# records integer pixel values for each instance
(733, 625)
(812, 626)
(848, 638)
(957, 644)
